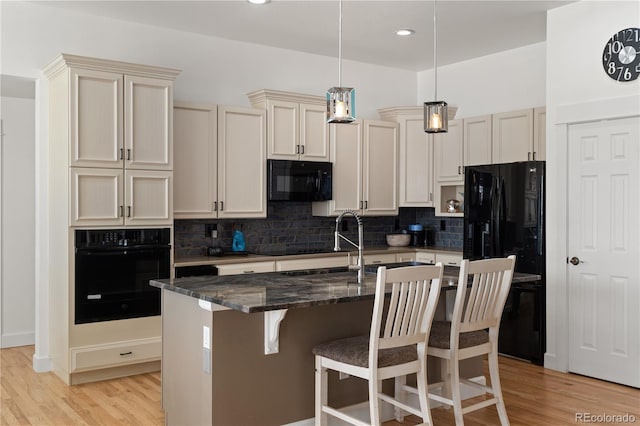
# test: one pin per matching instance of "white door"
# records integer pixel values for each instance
(604, 268)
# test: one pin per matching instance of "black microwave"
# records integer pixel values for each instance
(298, 180)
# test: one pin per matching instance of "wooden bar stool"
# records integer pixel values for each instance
(473, 331)
(396, 350)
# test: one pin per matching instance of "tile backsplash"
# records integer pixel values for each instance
(289, 226)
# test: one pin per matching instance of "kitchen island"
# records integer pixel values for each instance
(237, 349)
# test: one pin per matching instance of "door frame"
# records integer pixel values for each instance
(557, 273)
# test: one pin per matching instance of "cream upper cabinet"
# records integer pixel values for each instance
(448, 154)
(540, 133)
(380, 172)
(365, 157)
(95, 118)
(242, 175)
(119, 120)
(195, 174)
(477, 140)
(513, 136)
(297, 127)
(148, 128)
(148, 197)
(220, 167)
(415, 166)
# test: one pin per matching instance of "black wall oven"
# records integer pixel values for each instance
(113, 269)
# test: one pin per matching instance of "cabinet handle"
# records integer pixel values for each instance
(452, 263)
(366, 205)
(534, 156)
(122, 153)
(528, 156)
(221, 205)
(121, 211)
(297, 149)
(128, 154)
(126, 353)
(247, 272)
(377, 261)
(302, 149)
(128, 211)
(459, 170)
(361, 205)
(215, 206)
(431, 196)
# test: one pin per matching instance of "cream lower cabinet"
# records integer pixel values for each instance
(117, 197)
(313, 263)
(365, 169)
(220, 167)
(297, 125)
(245, 268)
(451, 259)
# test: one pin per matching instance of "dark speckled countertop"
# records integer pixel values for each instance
(285, 290)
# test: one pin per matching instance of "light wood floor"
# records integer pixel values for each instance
(533, 396)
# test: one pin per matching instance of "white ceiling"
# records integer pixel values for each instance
(466, 29)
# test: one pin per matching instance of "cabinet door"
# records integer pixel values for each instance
(96, 197)
(283, 138)
(195, 161)
(148, 197)
(512, 136)
(539, 134)
(447, 154)
(242, 187)
(416, 164)
(380, 171)
(246, 268)
(314, 135)
(148, 128)
(477, 140)
(346, 156)
(95, 119)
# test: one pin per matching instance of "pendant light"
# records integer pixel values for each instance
(435, 113)
(341, 101)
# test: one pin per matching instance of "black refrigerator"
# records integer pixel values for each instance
(504, 215)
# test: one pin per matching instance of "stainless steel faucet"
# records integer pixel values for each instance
(359, 246)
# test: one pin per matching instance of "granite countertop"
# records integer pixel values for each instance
(251, 293)
(230, 258)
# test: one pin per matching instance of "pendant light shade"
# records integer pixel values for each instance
(341, 101)
(436, 119)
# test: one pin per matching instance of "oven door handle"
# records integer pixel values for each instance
(121, 251)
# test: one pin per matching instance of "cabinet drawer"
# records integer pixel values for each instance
(425, 257)
(111, 355)
(449, 259)
(315, 263)
(246, 268)
(406, 257)
(374, 259)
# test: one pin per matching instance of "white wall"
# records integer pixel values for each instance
(213, 71)
(505, 81)
(17, 289)
(576, 36)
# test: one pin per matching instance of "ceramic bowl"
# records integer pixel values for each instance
(398, 240)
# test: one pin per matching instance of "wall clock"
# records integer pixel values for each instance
(621, 55)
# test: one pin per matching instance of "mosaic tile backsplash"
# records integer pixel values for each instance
(289, 226)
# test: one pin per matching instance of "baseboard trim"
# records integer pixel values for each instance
(42, 364)
(361, 410)
(17, 339)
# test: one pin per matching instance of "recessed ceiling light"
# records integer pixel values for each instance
(405, 32)
(258, 1)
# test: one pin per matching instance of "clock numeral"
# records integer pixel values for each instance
(631, 35)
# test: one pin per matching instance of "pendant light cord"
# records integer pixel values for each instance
(340, 45)
(435, 56)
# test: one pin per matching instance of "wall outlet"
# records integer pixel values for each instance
(211, 230)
